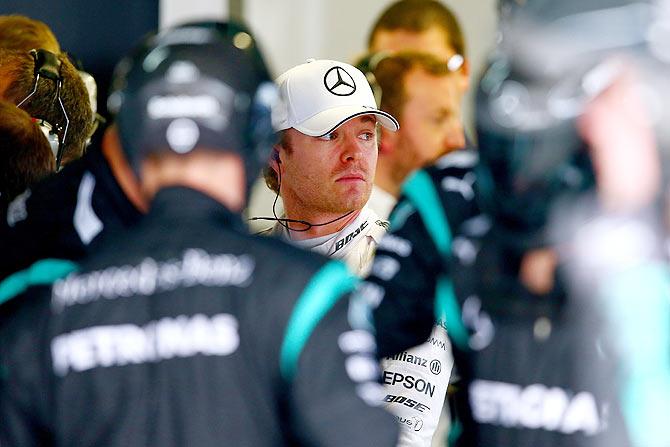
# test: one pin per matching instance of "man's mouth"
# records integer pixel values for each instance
(351, 177)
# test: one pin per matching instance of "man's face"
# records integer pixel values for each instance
(330, 174)
(430, 123)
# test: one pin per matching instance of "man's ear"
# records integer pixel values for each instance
(387, 141)
(275, 159)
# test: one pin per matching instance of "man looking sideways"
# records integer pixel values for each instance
(324, 164)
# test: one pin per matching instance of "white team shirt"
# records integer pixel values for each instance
(355, 244)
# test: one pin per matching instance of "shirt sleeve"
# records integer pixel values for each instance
(329, 367)
(335, 396)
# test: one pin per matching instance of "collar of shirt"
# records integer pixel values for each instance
(337, 245)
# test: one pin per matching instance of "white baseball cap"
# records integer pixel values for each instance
(320, 95)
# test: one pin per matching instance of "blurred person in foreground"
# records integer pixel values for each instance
(324, 163)
(534, 336)
(185, 330)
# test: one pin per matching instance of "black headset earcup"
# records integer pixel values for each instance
(47, 64)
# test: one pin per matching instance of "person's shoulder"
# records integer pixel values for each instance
(26, 290)
(56, 192)
(379, 226)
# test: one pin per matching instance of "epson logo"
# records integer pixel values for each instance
(201, 106)
(534, 407)
(409, 382)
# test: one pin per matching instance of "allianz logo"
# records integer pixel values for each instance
(435, 365)
(535, 407)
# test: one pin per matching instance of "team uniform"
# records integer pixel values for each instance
(534, 371)
(354, 244)
(64, 215)
(201, 339)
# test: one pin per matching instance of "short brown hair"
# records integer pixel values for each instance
(418, 16)
(19, 32)
(25, 153)
(18, 70)
(269, 174)
(389, 72)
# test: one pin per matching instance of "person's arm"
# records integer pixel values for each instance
(403, 283)
(330, 371)
(335, 395)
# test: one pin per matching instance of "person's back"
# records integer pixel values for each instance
(233, 362)
(184, 330)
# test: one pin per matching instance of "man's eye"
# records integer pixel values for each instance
(367, 136)
(328, 137)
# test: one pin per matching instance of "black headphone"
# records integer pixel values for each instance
(48, 65)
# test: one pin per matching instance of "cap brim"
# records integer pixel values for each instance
(327, 121)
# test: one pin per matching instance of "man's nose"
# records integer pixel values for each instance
(455, 136)
(352, 149)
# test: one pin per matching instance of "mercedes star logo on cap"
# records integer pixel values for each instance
(339, 82)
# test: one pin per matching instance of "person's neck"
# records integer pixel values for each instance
(216, 174)
(390, 177)
(124, 175)
(315, 218)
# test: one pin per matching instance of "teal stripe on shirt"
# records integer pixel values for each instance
(43, 272)
(319, 296)
(420, 191)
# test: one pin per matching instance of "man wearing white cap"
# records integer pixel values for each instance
(324, 164)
